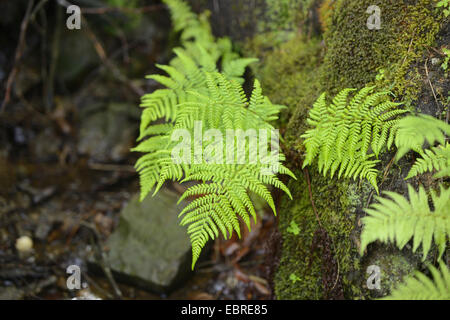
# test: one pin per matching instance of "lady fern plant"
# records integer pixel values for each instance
(204, 86)
(398, 220)
(435, 158)
(348, 133)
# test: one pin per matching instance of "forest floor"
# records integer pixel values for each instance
(68, 120)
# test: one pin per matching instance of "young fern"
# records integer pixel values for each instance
(421, 287)
(398, 220)
(200, 100)
(346, 135)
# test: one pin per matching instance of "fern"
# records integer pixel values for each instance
(223, 188)
(204, 86)
(187, 71)
(346, 135)
(436, 158)
(398, 220)
(414, 131)
(421, 287)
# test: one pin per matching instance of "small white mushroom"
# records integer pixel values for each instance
(24, 244)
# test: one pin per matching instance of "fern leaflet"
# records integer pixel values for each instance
(398, 220)
(436, 158)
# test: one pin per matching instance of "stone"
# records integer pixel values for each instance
(149, 249)
(108, 133)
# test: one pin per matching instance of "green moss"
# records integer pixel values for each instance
(337, 213)
(284, 14)
(394, 267)
(289, 74)
(294, 70)
(355, 54)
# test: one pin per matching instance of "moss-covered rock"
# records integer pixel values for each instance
(149, 250)
(393, 268)
(295, 73)
(338, 214)
(356, 54)
(289, 74)
(296, 66)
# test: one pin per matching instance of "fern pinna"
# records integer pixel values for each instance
(413, 132)
(197, 93)
(348, 132)
(435, 158)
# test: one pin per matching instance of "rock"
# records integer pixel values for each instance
(149, 249)
(107, 134)
(11, 293)
(393, 265)
(41, 147)
(77, 57)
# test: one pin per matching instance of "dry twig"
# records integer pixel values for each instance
(18, 55)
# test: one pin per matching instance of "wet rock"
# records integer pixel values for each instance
(149, 249)
(45, 146)
(77, 57)
(11, 293)
(108, 133)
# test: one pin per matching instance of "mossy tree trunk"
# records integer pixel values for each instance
(306, 47)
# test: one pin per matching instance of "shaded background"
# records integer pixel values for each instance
(69, 116)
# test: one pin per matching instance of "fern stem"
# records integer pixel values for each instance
(306, 173)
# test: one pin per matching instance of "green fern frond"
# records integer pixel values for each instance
(398, 220)
(421, 287)
(344, 132)
(413, 131)
(222, 193)
(221, 199)
(235, 68)
(436, 158)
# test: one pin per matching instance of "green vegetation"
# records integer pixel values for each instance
(445, 5)
(293, 228)
(406, 31)
(197, 92)
(444, 64)
(348, 55)
(398, 220)
(347, 135)
(343, 131)
(413, 132)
